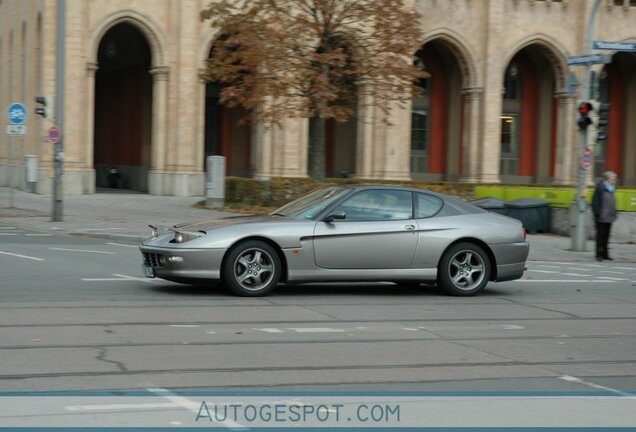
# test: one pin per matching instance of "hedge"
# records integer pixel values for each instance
(278, 191)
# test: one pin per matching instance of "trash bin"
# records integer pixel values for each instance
(532, 212)
(491, 204)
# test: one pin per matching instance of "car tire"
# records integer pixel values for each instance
(464, 270)
(251, 269)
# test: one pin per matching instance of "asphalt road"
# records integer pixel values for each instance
(76, 314)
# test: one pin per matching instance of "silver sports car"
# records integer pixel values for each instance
(345, 234)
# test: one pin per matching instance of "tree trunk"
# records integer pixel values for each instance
(317, 127)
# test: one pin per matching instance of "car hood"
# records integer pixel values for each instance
(210, 224)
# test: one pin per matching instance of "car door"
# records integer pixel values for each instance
(378, 232)
(433, 231)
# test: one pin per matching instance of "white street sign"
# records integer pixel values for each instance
(15, 129)
(615, 46)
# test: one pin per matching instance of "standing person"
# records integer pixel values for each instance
(604, 207)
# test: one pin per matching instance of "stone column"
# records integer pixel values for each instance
(471, 135)
(490, 143)
(564, 172)
(200, 133)
(159, 122)
(364, 132)
(262, 148)
(89, 139)
(395, 151)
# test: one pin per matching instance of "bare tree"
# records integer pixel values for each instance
(313, 59)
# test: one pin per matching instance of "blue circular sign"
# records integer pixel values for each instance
(17, 113)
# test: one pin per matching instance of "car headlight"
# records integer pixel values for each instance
(182, 237)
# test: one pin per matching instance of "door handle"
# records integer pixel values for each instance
(409, 227)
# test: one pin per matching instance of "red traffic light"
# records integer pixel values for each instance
(585, 108)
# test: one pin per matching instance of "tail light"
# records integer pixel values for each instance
(523, 230)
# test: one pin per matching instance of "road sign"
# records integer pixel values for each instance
(589, 59)
(587, 158)
(615, 46)
(14, 129)
(17, 113)
(55, 134)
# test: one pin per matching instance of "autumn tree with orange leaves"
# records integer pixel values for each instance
(313, 59)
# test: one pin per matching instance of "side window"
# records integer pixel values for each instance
(427, 206)
(378, 205)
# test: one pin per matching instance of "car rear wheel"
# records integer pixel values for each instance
(464, 270)
(251, 269)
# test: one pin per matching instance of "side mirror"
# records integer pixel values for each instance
(335, 215)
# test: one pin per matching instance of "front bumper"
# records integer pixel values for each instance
(181, 263)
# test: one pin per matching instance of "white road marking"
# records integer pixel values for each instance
(611, 278)
(408, 329)
(315, 330)
(82, 250)
(210, 332)
(39, 235)
(190, 405)
(125, 245)
(549, 266)
(269, 330)
(100, 229)
(22, 256)
(8, 234)
(108, 407)
(564, 280)
(105, 280)
(119, 278)
(624, 268)
(544, 271)
(611, 272)
(472, 327)
(576, 274)
(136, 278)
(8, 228)
(185, 325)
(596, 386)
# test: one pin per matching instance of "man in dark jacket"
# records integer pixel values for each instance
(604, 207)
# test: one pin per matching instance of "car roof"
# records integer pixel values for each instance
(393, 187)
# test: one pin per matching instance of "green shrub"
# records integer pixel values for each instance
(277, 191)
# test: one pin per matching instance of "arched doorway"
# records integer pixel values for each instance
(228, 130)
(123, 110)
(436, 122)
(340, 131)
(227, 133)
(617, 87)
(528, 119)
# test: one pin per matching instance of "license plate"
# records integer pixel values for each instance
(148, 271)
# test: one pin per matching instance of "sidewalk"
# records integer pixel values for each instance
(124, 216)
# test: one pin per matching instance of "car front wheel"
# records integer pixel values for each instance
(251, 269)
(464, 270)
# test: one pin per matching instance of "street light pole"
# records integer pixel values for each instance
(579, 239)
(58, 158)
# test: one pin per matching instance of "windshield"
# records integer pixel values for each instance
(309, 206)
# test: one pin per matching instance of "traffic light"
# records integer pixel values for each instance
(599, 120)
(45, 107)
(585, 109)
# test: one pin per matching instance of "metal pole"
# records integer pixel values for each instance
(11, 171)
(58, 207)
(579, 239)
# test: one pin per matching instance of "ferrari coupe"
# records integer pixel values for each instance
(345, 234)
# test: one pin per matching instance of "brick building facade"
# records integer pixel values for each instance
(500, 105)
